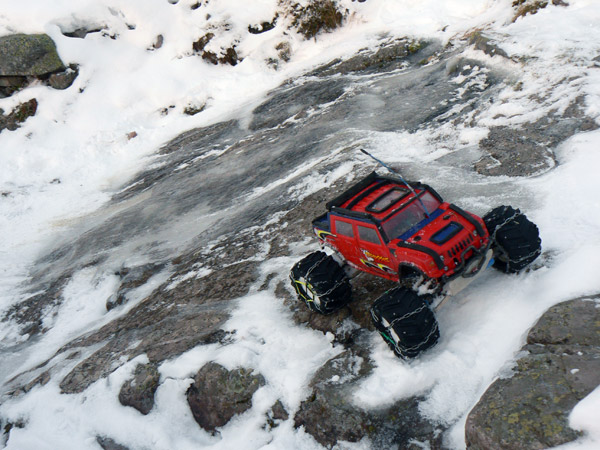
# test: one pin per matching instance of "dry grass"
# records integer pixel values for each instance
(525, 7)
(317, 16)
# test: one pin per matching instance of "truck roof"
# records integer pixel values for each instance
(376, 196)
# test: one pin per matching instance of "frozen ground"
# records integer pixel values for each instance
(81, 140)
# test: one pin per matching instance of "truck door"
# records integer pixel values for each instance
(345, 236)
(373, 253)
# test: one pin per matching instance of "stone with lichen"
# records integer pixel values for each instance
(530, 410)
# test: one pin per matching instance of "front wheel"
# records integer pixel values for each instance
(405, 321)
(515, 239)
(321, 283)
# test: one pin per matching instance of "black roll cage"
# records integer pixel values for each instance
(377, 181)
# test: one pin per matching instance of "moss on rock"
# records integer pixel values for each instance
(29, 55)
(530, 410)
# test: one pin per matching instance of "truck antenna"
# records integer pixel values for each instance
(401, 179)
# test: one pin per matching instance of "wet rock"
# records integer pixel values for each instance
(530, 410)
(165, 324)
(389, 56)
(24, 57)
(160, 333)
(139, 391)
(200, 137)
(188, 310)
(131, 278)
(217, 394)
(29, 312)
(287, 104)
(329, 414)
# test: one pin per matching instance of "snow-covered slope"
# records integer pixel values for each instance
(80, 137)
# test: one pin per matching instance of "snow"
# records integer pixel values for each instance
(584, 417)
(66, 162)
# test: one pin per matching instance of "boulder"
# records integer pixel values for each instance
(139, 391)
(277, 414)
(330, 415)
(24, 57)
(218, 394)
(531, 409)
(28, 55)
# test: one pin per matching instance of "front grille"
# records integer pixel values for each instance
(457, 249)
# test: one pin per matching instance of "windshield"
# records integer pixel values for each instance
(409, 216)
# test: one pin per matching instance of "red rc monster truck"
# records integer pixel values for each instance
(405, 232)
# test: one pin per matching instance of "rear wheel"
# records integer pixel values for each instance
(515, 239)
(321, 283)
(405, 321)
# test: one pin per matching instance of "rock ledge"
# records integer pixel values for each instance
(562, 366)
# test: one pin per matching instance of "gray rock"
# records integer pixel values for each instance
(287, 104)
(529, 149)
(28, 55)
(63, 80)
(389, 56)
(131, 278)
(109, 444)
(139, 391)
(217, 394)
(530, 410)
(330, 415)
(278, 411)
(569, 323)
(82, 32)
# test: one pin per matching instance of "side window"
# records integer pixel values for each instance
(368, 235)
(344, 228)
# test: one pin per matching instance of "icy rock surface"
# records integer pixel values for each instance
(530, 410)
(224, 210)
